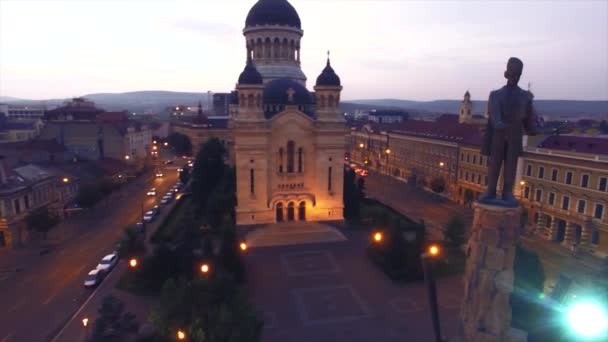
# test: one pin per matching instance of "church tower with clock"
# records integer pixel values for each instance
(288, 142)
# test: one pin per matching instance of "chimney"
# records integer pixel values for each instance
(2, 171)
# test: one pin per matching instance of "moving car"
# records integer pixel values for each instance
(149, 216)
(159, 174)
(93, 278)
(151, 192)
(364, 173)
(108, 262)
(169, 162)
(169, 194)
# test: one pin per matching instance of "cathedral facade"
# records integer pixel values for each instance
(288, 142)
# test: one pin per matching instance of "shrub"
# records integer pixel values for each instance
(455, 230)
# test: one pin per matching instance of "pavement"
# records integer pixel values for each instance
(42, 297)
(415, 203)
(293, 233)
(332, 292)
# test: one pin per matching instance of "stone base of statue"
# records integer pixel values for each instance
(488, 278)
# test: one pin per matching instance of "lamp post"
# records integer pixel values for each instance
(85, 325)
(181, 335)
(588, 320)
(428, 260)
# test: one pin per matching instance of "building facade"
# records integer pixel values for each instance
(288, 142)
(202, 129)
(22, 112)
(564, 186)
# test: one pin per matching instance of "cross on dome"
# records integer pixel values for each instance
(290, 93)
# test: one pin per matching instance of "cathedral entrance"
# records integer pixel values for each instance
(302, 211)
(291, 211)
(279, 212)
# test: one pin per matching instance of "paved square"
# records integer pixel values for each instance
(308, 263)
(329, 304)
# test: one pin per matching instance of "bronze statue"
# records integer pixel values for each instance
(510, 113)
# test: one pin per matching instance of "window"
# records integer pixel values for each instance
(474, 159)
(584, 181)
(529, 170)
(252, 181)
(17, 206)
(300, 160)
(26, 202)
(595, 237)
(527, 192)
(462, 156)
(281, 160)
(541, 172)
(602, 184)
(291, 146)
(468, 158)
(478, 179)
(485, 180)
(466, 176)
(565, 202)
(599, 211)
(568, 179)
(551, 198)
(480, 160)
(329, 179)
(539, 195)
(581, 206)
(554, 175)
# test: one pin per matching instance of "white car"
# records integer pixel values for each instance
(93, 278)
(149, 216)
(169, 194)
(108, 262)
(165, 200)
(151, 192)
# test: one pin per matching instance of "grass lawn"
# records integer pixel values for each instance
(170, 224)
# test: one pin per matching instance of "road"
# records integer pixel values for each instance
(415, 203)
(38, 301)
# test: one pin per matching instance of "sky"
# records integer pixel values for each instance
(414, 50)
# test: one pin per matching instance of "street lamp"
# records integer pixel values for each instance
(361, 145)
(588, 320)
(154, 142)
(181, 335)
(133, 263)
(428, 259)
(166, 143)
(66, 179)
(205, 268)
(127, 157)
(441, 164)
(243, 246)
(378, 237)
(85, 325)
(388, 151)
(522, 183)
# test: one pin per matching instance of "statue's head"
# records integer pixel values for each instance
(514, 69)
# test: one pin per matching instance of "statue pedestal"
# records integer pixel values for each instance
(488, 278)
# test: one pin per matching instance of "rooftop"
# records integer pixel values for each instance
(589, 145)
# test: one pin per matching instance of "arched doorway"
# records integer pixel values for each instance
(302, 211)
(561, 230)
(291, 211)
(279, 212)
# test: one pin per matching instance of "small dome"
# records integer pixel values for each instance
(328, 77)
(273, 12)
(250, 75)
(467, 94)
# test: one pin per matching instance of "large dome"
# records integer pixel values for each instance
(273, 12)
(286, 92)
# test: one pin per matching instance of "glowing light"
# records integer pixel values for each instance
(127, 157)
(388, 151)
(133, 262)
(441, 164)
(205, 268)
(522, 183)
(434, 250)
(378, 236)
(181, 335)
(65, 179)
(243, 246)
(166, 143)
(588, 319)
(361, 145)
(85, 322)
(154, 142)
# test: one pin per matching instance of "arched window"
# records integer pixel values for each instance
(329, 179)
(252, 181)
(300, 160)
(279, 212)
(281, 160)
(250, 100)
(267, 48)
(291, 211)
(291, 146)
(302, 211)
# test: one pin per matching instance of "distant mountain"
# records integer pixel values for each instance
(552, 108)
(158, 101)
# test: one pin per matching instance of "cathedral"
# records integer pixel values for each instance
(288, 142)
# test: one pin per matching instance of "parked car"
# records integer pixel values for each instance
(93, 278)
(169, 194)
(151, 192)
(165, 200)
(156, 210)
(108, 262)
(139, 226)
(149, 216)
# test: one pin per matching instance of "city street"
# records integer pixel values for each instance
(39, 300)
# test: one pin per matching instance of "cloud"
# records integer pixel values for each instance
(211, 29)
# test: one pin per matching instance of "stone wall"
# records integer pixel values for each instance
(488, 278)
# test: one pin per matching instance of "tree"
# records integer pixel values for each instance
(438, 184)
(42, 220)
(455, 230)
(184, 176)
(112, 323)
(88, 195)
(209, 168)
(132, 243)
(361, 188)
(180, 143)
(350, 196)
